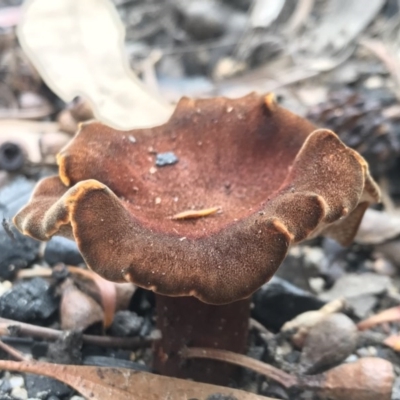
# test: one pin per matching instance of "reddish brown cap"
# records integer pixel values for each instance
(275, 179)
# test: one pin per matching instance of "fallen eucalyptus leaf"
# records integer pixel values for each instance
(101, 383)
(77, 47)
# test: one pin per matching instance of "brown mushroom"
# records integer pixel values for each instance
(275, 180)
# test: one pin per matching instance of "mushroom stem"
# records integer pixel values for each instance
(186, 321)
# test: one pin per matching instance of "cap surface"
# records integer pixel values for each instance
(248, 179)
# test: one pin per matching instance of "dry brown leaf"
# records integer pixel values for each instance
(393, 341)
(78, 311)
(78, 48)
(101, 383)
(367, 378)
(389, 315)
(107, 290)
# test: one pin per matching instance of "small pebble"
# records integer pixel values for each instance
(16, 381)
(168, 158)
(77, 398)
(19, 393)
(42, 387)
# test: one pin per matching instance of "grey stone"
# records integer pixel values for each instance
(354, 285)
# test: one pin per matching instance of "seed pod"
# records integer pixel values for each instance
(365, 379)
(328, 343)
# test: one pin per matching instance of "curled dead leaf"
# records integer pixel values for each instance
(90, 37)
(78, 311)
(101, 383)
(107, 291)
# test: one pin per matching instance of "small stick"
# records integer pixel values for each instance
(41, 332)
(285, 379)
(13, 352)
(254, 324)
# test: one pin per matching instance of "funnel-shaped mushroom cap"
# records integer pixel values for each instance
(274, 179)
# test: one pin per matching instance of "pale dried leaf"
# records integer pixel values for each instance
(265, 12)
(77, 46)
(377, 227)
(9, 16)
(342, 22)
(101, 383)
(299, 16)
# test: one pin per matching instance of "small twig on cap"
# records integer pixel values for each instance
(191, 214)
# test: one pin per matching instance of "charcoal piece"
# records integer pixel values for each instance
(220, 396)
(31, 300)
(17, 251)
(112, 362)
(202, 20)
(278, 301)
(126, 323)
(41, 387)
(62, 250)
(66, 349)
(12, 157)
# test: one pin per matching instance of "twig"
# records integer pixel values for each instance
(254, 324)
(285, 379)
(13, 352)
(41, 332)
